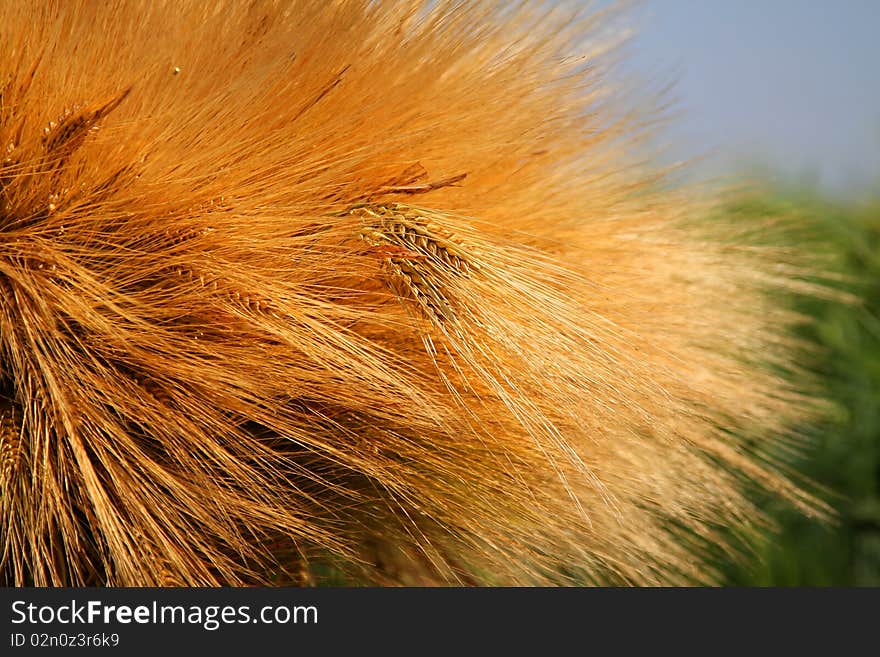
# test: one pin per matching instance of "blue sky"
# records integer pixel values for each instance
(792, 85)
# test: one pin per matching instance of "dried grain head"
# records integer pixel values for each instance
(372, 285)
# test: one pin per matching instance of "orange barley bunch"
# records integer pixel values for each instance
(295, 291)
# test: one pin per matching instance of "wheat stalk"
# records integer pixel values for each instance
(421, 258)
(10, 446)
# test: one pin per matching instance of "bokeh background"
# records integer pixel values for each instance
(780, 100)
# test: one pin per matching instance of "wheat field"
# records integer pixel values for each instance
(295, 292)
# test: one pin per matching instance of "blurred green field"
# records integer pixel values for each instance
(844, 455)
